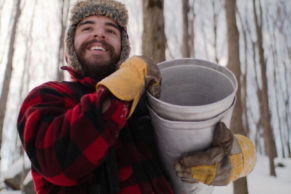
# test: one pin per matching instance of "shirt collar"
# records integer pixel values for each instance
(84, 80)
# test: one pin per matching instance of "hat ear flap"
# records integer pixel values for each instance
(66, 58)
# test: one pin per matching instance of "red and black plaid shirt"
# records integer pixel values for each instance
(74, 147)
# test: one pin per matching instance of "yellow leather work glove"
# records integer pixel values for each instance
(134, 76)
(228, 158)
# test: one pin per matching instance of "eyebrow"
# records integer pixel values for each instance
(85, 22)
(92, 22)
(113, 25)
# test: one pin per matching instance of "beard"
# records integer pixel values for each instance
(97, 67)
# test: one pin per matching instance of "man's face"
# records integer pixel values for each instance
(97, 43)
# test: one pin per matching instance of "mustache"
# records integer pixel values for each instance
(103, 42)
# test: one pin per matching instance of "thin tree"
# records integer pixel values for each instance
(188, 28)
(287, 102)
(9, 69)
(25, 75)
(287, 112)
(240, 186)
(192, 20)
(282, 17)
(264, 101)
(276, 74)
(64, 8)
(1, 8)
(258, 123)
(215, 18)
(1, 12)
(204, 37)
(278, 90)
(154, 38)
(244, 75)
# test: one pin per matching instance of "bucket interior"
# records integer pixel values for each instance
(188, 85)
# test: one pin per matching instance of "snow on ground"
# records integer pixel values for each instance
(10, 192)
(259, 181)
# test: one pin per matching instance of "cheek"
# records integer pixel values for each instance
(76, 44)
(78, 40)
(117, 45)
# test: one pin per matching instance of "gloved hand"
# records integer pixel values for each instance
(152, 78)
(134, 76)
(228, 158)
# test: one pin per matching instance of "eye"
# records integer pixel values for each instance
(86, 29)
(111, 31)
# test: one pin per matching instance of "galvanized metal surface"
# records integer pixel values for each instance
(195, 95)
(193, 89)
(176, 138)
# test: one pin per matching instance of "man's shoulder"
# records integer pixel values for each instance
(64, 88)
(51, 86)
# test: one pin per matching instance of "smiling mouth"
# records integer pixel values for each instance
(97, 48)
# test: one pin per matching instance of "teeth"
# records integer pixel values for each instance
(97, 48)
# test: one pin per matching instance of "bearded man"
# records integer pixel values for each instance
(94, 134)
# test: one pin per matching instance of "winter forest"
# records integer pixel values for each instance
(250, 37)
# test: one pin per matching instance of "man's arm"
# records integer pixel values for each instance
(67, 140)
(64, 140)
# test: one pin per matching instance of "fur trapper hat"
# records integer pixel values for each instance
(85, 8)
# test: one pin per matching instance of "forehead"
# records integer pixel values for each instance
(97, 20)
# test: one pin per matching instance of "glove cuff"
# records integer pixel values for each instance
(127, 83)
(242, 163)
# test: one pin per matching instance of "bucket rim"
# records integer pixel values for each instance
(204, 64)
(215, 118)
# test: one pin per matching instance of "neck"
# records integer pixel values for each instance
(98, 75)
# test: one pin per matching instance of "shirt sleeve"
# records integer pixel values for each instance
(66, 140)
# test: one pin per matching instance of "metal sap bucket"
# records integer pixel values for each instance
(195, 95)
(175, 138)
(193, 89)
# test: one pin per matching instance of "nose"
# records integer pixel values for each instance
(99, 33)
(99, 36)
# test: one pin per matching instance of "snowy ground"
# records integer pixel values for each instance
(10, 192)
(259, 181)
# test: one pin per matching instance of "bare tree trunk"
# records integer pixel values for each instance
(287, 105)
(204, 33)
(215, 30)
(259, 123)
(278, 89)
(240, 186)
(63, 21)
(25, 76)
(234, 62)
(1, 8)
(25, 79)
(286, 75)
(8, 71)
(265, 111)
(258, 92)
(188, 28)
(154, 38)
(287, 112)
(244, 76)
(185, 44)
(192, 20)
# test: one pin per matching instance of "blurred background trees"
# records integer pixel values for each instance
(252, 38)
